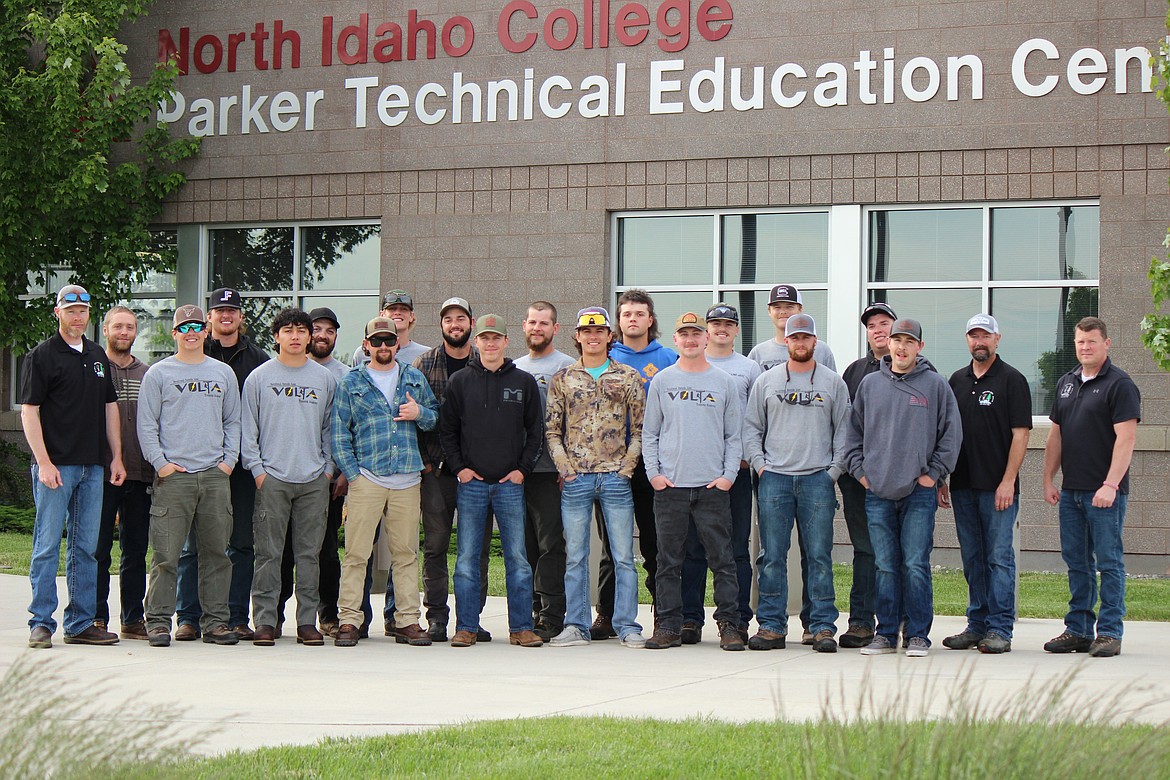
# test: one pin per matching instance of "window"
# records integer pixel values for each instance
(305, 265)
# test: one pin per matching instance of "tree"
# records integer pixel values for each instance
(1156, 326)
(84, 168)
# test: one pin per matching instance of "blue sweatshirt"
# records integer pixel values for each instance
(647, 362)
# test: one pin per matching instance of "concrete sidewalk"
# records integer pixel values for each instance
(290, 694)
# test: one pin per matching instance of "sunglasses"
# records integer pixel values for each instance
(397, 296)
(73, 297)
(387, 340)
(190, 327)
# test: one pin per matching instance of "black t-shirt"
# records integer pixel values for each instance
(989, 407)
(1086, 413)
(72, 389)
(454, 364)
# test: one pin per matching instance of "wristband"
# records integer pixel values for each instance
(1110, 484)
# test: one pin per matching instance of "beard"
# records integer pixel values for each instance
(380, 359)
(537, 343)
(457, 341)
(981, 355)
(803, 356)
(320, 349)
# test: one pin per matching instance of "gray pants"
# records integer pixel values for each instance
(180, 502)
(278, 503)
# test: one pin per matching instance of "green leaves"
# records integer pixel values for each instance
(1156, 326)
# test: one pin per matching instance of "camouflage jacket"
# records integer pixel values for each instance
(595, 426)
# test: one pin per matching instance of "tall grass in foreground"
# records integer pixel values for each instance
(1048, 730)
(50, 728)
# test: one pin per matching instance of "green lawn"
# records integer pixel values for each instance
(1041, 595)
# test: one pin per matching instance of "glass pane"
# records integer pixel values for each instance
(937, 245)
(258, 315)
(1056, 242)
(252, 259)
(1037, 326)
(756, 326)
(341, 257)
(353, 313)
(665, 250)
(775, 248)
(155, 318)
(668, 306)
(943, 314)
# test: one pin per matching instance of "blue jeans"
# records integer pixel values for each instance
(810, 501)
(75, 509)
(612, 490)
(989, 562)
(507, 500)
(1090, 542)
(694, 570)
(902, 533)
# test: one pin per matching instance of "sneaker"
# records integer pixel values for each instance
(964, 641)
(994, 644)
(767, 640)
(1105, 647)
(135, 630)
(92, 636)
(917, 647)
(1068, 642)
(221, 635)
(664, 639)
(691, 634)
(729, 638)
(824, 642)
(571, 636)
(806, 638)
(857, 636)
(602, 628)
(159, 637)
(634, 640)
(880, 645)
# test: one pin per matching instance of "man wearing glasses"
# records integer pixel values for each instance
(794, 439)
(71, 423)
(398, 306)
(189, 430)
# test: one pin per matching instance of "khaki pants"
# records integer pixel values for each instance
(366, 506)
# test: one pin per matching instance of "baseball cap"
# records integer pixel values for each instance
(877, 308)
(380, 325)
(454, 301)
(593, 315)
(324, 313)
(723, 311)
(188, 313)
(984, 322)
(491, 323)
(784, 293)
(911, 328)
(398, 296)
(72, 295)
(688, 319)
(800, 323)
(225, 298)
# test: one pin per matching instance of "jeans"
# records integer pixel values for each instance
(902, 532)
(74, 509)
(240, 551)
(863, 591)
(989, 562)
(694, 570)
(506, 499)
(617, 508)
(1090, 542)
(129, 505)
(545, 541)
(704, 512)
(810, 500)
(643, 499)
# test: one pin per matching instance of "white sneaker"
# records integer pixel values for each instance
(917, 647)
(571, 636)
(634, 640)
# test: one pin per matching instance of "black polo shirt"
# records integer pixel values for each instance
(989, 407)
(1086, 413)
(72, 389)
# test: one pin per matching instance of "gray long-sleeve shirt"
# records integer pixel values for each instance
(796, 423)
(189, 414)
(285, 421)
(691, 431)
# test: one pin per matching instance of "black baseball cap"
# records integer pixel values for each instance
(225, 298)
(877, 308)
(398, 296)
(324, 313)
(723, 311)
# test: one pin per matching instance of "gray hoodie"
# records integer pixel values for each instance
(903, 426)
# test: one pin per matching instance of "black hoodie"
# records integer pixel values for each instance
(491, 421)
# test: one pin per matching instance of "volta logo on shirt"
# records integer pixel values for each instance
(986, 398)
(295, 391)
(700, 397)
(201, 386)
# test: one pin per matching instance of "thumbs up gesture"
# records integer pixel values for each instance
(408, 410)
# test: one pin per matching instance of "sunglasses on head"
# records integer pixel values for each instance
(397, 296)
(190, 327)
(385, 340)
(73, 297)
